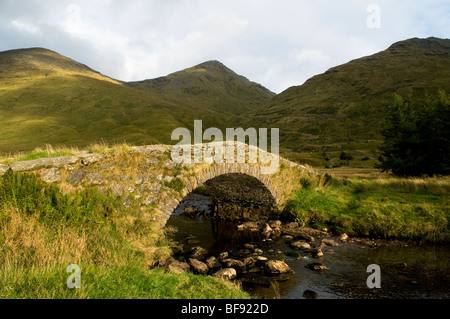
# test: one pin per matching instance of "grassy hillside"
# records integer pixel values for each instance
(46, 98)
(342, 109)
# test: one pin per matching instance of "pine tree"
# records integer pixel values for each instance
(416, 136)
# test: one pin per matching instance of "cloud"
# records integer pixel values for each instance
(276, 43)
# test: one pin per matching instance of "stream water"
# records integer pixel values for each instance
(412, 272)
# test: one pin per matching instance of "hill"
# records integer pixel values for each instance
(46, 98)
(342, 109)
(212, 85)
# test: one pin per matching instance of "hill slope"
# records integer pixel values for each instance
(343, 108)
(46, 98)
(212, 85)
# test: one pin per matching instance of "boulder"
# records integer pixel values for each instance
(301, 245)
(316, 267)
(178, 266)
(330, 242)
(343, 238)
(317, 252)
(43, 163)
(223, 255)
(249, 262)
(261, 259)
(249, 246)
(4, 169)
(266, 231)
(51, 175)
(198, 266)
(227, 273)
(275, 223)
(88, 159)
(94, 178)
(277, 267)
(258, 251)
(233, 263)
(198, 252)
(76, 177)
(212, 263)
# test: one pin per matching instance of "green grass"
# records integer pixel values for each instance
(43, 231)
(116, 282)
(417, 209)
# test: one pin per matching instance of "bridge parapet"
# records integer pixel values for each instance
(146, 178)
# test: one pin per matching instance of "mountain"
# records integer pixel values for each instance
(342, 109)
(211, 84)
(46, 98)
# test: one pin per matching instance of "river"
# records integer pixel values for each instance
(407, 272)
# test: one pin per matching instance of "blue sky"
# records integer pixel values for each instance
(276, 43)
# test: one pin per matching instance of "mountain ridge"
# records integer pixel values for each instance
(210, 81)
(343, 108)
(47, 98)
(51, 99)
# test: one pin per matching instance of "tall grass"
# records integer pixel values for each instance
(56, 151)
(417, 208)
(42, 231)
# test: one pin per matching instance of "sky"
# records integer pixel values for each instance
(277, 43)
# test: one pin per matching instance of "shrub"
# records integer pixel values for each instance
(176, 184)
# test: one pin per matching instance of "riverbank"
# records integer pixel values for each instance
(384, 208)
(43, 231)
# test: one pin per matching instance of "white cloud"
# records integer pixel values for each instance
(310, 56)
(25, 26)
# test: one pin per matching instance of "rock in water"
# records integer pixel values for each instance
(266, 231)
(277, 267)
(233, 263)
(330, 242)
(317, 253)
(316, 267)
(301, 245)
(309, 294)
(198, 252)
(227, 273)
(198, 266)
(212, 263)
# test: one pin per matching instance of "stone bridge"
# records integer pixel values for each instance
(146, 178)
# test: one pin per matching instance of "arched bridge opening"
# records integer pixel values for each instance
(238, 196)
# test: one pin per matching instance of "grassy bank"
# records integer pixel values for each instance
(384, 207)
(43, 231)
